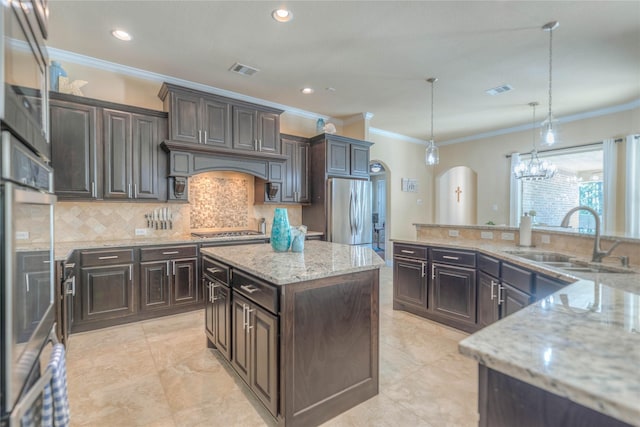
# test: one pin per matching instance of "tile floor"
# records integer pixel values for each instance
(160, 373)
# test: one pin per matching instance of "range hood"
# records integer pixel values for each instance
(187, 159)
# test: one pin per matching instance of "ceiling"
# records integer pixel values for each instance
(377, 55)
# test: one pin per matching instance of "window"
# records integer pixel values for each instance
(578, 181)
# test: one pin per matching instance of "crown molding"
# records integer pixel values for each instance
(398, 136)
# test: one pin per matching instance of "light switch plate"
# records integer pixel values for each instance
(22, 235)
(141, 231)
(508, 236)
(453, 233)
(486, 235)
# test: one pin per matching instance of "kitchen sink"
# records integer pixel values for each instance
(567, 263)
(540, 256)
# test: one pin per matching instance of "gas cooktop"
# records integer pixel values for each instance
(227, 233)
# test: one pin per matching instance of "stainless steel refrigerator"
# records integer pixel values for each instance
(349, 205)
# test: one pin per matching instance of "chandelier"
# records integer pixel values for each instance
(432, 156)
(550, 125)
(534, 169)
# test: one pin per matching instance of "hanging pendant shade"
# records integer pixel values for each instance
(432, 155)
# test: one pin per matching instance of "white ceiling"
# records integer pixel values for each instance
(377, 54)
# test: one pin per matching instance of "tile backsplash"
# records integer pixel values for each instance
(217, 201)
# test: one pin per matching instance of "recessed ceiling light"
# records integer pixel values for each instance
(307, 90)
(282, 15)
(121, 35)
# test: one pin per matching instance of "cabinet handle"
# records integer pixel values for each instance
(71, 290)
(244, 316)
(249, 327)
(209, 290)
(213, 287)
(174, 267)
(249, 288)
(424, 264)
(93, 189)
(168, 269)
(135, 191)
(433, 271)
(213, 270)
(259, 145)
(455, 258)
(131, 273)
(129, 191)
(170, 252)
(404, 251)
(199, 137)
(204, 141)
(255, 145)
(500, 294)
(70, 265)
(493, 284)
(108, 257)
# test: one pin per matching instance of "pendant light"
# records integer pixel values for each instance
(550, 125)
(534, 169)
(432, 156)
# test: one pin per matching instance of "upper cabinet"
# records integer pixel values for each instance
(203, 118)
(340, 156)
(105, 150)
(295, 185)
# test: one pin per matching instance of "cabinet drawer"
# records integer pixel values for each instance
(517, 277)
(168, 252)
(448, 256)
(120, 256)
(215, 270)
(410, 251)
(260, 292)
(489, 265)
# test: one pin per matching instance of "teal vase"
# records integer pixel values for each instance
(280, 231)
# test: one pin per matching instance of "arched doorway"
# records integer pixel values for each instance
(380, 211)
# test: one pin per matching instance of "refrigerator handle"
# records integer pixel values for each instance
(351, 219)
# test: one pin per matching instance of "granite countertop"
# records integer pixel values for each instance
(62, 250)
(582, 342)
(319, 259)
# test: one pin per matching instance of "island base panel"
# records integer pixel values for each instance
(330, 346)
(506, 401)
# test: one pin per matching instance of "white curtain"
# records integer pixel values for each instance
(632, 194)
(610, 182)
(515, 195)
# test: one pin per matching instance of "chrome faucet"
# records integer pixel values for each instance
(598, 253)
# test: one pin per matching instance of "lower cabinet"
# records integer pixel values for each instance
(512, 300)
(410, 283)
(255, 354)
(215, 277)
(488, 302)
(454, 293)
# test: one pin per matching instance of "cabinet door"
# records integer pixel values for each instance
(338, 162)
(488, 311)
(290, 182)
(264, 357)
(454, 292)
(268, 132)
(215, 124)
(107, 292)
(240, 339)
(117, 154)
(185, 117)
(244, 129)
(73, 145)
(154, 285)
(145, 142)
(513, 300)
(302, 170)
(222, 320)
(359, 161)
(185, 289)
(410, 283)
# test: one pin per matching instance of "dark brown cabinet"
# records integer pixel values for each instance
(295, 185)
(74, 150)
(454, 292)
(340, 156)
(488, 306)
(131, 145)
(197, 118)
(218, 317)
(512, 300)
(254, 355)
(119, 161)
(255, 130)
(106, 291)
(410, 278)
(168, 277)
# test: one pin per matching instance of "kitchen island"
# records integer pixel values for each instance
(323, 303)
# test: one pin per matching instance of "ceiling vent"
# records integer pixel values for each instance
(245, 70)
(499, 89)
